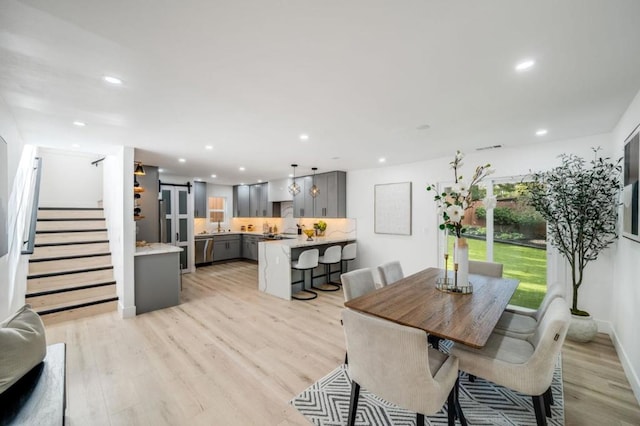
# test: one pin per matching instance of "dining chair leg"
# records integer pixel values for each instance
(419, 419)
(463, 420)
(346, 358)
(549, 395)
(451, 408)
(547, 401)
(472, 378)
(353, 403)
(538, 407)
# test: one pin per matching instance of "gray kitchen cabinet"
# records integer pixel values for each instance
(331, 202)
(200, 199)
(226, 247)
(250, 247)
(303, 202)
(259, 205)
(241, 206)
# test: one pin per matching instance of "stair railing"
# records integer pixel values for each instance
(29, 243)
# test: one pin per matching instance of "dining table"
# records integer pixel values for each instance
(415, 301)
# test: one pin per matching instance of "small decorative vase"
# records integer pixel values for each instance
(582, 329)
(461, 258)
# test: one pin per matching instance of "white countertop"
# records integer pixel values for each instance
(301, 241)
(156, 248)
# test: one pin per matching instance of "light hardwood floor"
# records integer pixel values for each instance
(230, 355)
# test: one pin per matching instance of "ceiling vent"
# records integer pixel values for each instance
(484, 148)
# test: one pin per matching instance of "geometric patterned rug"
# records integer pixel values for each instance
(326, 403)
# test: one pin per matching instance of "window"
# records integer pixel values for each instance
(512, 233)
(217, 209)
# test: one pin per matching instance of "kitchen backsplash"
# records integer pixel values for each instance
(285, 224)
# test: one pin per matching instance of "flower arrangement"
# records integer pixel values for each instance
(453, 202)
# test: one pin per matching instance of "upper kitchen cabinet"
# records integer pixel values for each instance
(331, 202)
(241, 207)
(252, 201)
(200, 200)
(303, 202)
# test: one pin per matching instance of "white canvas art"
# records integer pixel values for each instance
(393, 208)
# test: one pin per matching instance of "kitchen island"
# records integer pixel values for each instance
(275, 276)
(156, 277)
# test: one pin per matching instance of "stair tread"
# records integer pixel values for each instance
(40, 259)
(70, 271)
(76, 303)
(65, 288)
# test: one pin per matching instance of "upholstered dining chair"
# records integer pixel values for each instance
(489, 269)
(357, 283)
(522, 323)
(390, 272)
(524, 365)
(393, 362)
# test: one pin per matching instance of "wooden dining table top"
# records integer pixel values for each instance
(464, 318)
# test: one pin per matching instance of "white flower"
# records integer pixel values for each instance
(455, 213)
(456, 187)
(463, 187)
(490, 202)
(464, 194)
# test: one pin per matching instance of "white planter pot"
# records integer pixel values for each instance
(582, 329)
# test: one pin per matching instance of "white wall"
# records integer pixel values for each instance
(623, 286)
(69, 179)
(118, 210)
(12, 260)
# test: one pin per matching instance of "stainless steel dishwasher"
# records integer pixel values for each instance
(204, 250)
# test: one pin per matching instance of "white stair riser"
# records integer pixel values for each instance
(71, 237)
(68, 225)
(70, 214)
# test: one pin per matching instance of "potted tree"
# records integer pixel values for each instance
(579, 201)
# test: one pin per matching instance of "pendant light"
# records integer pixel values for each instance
(139, 169)
(314, 191)
(294, 188)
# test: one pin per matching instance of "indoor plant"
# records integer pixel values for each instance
(579, 201)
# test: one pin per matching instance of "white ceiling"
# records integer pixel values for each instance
(359, 77)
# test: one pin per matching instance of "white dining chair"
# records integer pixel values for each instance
(522, 323)
(489, 269)
(390, 272)
(357, 283)
(524, 365)
(393, 362)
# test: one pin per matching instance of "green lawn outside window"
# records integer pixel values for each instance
(526, 264)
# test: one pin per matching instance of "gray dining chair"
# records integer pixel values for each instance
(357, 283)
(524, 365)
(523, 323)
(390, 272)
(489, 269)
(393, 362)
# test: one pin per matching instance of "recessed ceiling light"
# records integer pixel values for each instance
(182, 160)
(241, 183)
(541, 132)
(291, 175)
(381, 160)
(241, 168)
(112, 80)
(214, 176)
(525, 65)
(160, 170)
(304, 137)
(79, 123)
(209, 147)
(198, 179)
(259, 180)
(75, 145)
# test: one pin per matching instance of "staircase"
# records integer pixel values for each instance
(70, 271)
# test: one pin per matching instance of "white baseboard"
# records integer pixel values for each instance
(629, 371)
(128, 312)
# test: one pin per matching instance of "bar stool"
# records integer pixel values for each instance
(307, 261)
(348, 254)
(331, 256)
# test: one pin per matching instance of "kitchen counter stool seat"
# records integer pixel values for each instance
(307, 261)
(332, 256)
(348, 254)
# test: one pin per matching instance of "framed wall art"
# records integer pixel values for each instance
(392, 205)
(631, 200)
